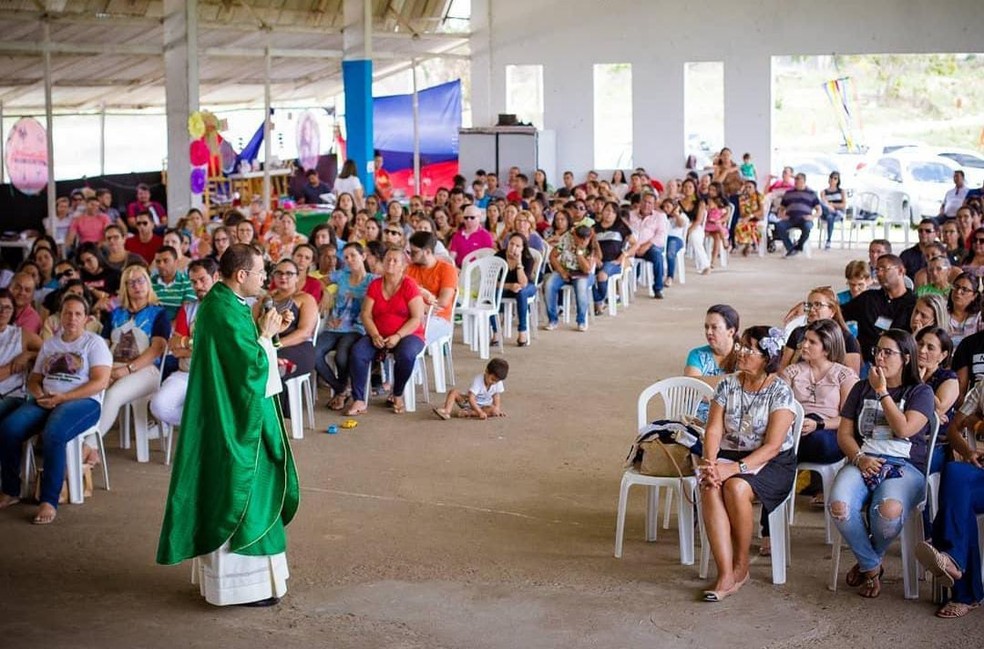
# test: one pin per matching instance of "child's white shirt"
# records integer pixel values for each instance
(483, 394)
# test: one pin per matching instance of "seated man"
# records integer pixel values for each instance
(173, 288)
(573, 260)
(799, 207)
(650, 228)
(168, 404)
(879, 309)
(437, 279)
(145, 243)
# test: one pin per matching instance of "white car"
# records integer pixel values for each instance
(972, 162)
(909, 185)
(816, 166)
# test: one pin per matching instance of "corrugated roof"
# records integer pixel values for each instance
(110, 51)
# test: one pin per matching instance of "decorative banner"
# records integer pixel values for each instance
(308, 140)
(27, 156)
(196, 125)
(198, 153)
(197, 180)
(839, 93)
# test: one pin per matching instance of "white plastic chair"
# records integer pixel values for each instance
(681, 396)
(467, 286)
(912, 532)
(442, 359)
(509, 307)
(417, 377)
(299, 389)
(709, 241)
(144, 431)
(827, 473)
(73, 465)
(616, 288)
(491, 272)
(864, 215)
(778, 521)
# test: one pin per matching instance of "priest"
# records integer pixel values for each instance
(233, 484)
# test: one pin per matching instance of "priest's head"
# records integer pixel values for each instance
(242, 270)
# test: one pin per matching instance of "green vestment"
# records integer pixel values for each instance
(233, 477)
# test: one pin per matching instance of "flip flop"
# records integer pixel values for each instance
(937, 563)
(855, 578)
(440, 413)
(356, 413)
(871, 588)
(720, 595)
(399, 409)
(953, 610)
(45, 520)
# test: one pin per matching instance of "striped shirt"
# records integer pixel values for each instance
(173, 295)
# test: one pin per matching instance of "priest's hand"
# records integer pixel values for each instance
(270, 323)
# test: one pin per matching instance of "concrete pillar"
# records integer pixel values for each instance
(482, 71)
(181, 88)
(357, 79)
(658, 138)
(49, 123)
(568, 109)
(748, 109)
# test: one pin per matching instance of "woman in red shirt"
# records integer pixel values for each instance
(393, 314)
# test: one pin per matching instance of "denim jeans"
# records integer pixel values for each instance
(830, 217)
(600, 289)
(655, 256)
(342, 343)
(522, 297)
(364, 352)
(56, 427)
(955, 527)
(869, 545)
(820, 446)
(673, 246)
(782, 231)
(581, 286)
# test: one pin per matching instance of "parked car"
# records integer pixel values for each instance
(816, 166)
(910, 185)
(971, 161)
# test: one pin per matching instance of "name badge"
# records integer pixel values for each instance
(884, 323)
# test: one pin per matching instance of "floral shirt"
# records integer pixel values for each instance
(746, 414)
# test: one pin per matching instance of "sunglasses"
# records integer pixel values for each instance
(66, 273)
(142, 223)
(470, 218)
(395, 233)
(927, 231)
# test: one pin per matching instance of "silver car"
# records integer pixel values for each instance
(906, 185)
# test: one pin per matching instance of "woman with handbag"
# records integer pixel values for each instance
(883, 429)
(748, 454)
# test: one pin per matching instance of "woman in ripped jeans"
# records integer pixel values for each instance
(882, 433)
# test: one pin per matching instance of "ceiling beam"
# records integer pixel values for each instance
(33, 47)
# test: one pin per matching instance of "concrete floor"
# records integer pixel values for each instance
(415, 532)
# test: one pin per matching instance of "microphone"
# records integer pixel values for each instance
(268, 306)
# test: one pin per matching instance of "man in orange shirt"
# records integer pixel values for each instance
(438, 280)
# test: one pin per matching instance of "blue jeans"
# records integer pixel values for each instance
(955, 527)
(673, 246)
(342, 344)
(655, 256)
(522, 307)
(782, 231)
(581, 286)
(869, 545)
(600, 289)
(830, 218)
(56, 427)
(364, 352)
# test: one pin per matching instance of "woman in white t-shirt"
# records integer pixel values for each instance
(348, 183)
(18, 348)
(65, 390)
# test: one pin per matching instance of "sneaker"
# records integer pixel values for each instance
(550, 326)
(582, 327)
(792, 253)
(826, 246)
(657, 295)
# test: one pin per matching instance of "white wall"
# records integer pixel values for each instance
(657, 37)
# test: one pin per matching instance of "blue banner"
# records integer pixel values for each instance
(439, 120)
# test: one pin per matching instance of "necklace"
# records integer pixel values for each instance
(744, 425)
(815, 381)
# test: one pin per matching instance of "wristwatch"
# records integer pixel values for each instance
(742, 467)
(129, 368)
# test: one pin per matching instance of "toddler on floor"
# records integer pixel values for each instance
(484, 396)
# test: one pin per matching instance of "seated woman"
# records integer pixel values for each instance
(748, 454)
(393, 315)
(518, 283)
(751, 211)
(954, 553)
(100, 278)
(300, 313)
(617, 244)
(821, 304)
(950, 236)
(717, 358)
(964, 307)
(221, 240)
(70, 373)
(821, 383)
(886, 450)
(137, 331)
(304, 256)
(344, 327)
(52, 324)
(559, 226)
(573, 260)
(929, 311)
(526, 226)
(18, 349)
(935, 352)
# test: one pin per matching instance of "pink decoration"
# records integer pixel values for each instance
(198, 153)
(197, 180)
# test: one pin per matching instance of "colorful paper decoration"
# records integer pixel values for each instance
(26, 154)
(198, 153)
(197, 180)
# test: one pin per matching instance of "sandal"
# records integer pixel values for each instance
(355, 412)
(719, 595)
(871, 588)
(818, 500)
(337, 402)
(939, 563)
(443, 414)
(953, 610)
(399, 408)
(45, 516)
(765, 550)
(855, 578)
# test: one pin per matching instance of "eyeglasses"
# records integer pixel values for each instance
(742, 350)
(815, 305)
(284, 273)
(978, 240)
(394, 233)
(884, 351)
(470, 218)
(6, 307)
(66, 273)
(927, 231)
(220, 239)
(963, 290)
(261, 272)
(883, 269)
(136, 281)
